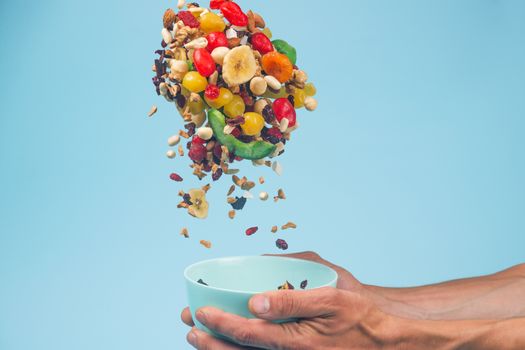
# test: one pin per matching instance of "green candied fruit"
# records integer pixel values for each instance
(253, 151)
(286, 49)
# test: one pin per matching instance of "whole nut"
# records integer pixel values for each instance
(205, 133)
(198, 43)
(174, 140)
(166, 36)
(171, 154)
(259, 21)
(300, 76)
(258, 86)
(260, 104)
(263, 196)
(272, 82)
(310, 103)
(219, 53)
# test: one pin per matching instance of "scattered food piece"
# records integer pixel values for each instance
(176, 177)
(199, 206)
(174, 140)
(171, 154)
(184, 134)
(152, 111)
(231, 214)
(248, 185)
(304, 284)
(286, 286)
(206, 244)
(181, 151)
(264, 196)
(231, 190)
(280, 195)
(281, 244)
(202, 282)
(184, 232)
(251, 231)
(239, 203)
(261, 180)
(277, 168)
(206, 188)
(275, 229)
(289, 225)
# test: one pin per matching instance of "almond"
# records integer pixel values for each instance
(169, 18)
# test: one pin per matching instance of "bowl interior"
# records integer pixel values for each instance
(256, 274)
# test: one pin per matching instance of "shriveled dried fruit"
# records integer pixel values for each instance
(274, 229)
(252, 230)
(188, 19)
(304, 284)
(176, 177)
(281, 244)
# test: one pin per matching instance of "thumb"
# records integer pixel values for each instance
(284, 304)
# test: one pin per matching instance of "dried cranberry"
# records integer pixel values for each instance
(212, 92)
(198, 140)
(268, 114)
(217, 175)
(191, 128)
(304, 284)
(176, 177)
(275, 132)
(236, 132)
(181, 101)
(248, 100)
(188, 19)
(206, 167)
(251, 231)
(236, 121)
(281, 244)
(197, 152)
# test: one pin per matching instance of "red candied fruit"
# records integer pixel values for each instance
(261, 43)
(188, 19)
(233, 13)
(197, 140)
(283, 108)
(212, 92)
(216, 4)
(215, 40)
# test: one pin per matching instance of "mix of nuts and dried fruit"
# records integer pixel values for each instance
(237, 91)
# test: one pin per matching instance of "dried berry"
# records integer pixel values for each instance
(197, 152)
(217, 175)
(281, 244)
(212, 92)
(188, 19)
(176, 177)
(190, 128)
(251, 231)
(268, 114)
(304, 284)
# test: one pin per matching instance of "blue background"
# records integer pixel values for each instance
(411, 171)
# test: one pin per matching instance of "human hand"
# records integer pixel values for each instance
(327, 318)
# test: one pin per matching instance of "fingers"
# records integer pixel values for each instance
(203, 341)
(247, 332)
(285, 304)
(312, 256)
(186, 317)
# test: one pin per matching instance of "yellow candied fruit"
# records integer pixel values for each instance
(298, 98)
(310, 89)
(225, 97)
(253, 124)
(194, 82)
(267, 32)
(196, 107)
(235, 108)
(211, 22)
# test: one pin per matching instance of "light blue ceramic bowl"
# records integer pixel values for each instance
(233, 281)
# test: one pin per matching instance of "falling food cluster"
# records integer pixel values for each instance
(237, 91)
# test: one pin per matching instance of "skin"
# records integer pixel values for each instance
(478, 313)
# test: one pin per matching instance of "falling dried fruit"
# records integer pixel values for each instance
(231, 190)
(261, 180)
(275, 229)
(176, 177)
(281, 244)
(304, 284)
(206, 244)
(199, 206)
(251, 231)
(184, 232)
(231, 214)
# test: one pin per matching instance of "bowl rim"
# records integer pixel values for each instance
(333, 281)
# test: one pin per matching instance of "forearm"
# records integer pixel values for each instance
(459, 335)
(496, 296)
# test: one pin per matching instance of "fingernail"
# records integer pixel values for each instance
(201, 316)
(192, 338)
(260, 304)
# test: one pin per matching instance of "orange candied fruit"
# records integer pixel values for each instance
(278, 65)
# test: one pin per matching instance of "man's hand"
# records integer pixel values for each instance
(328, 318)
